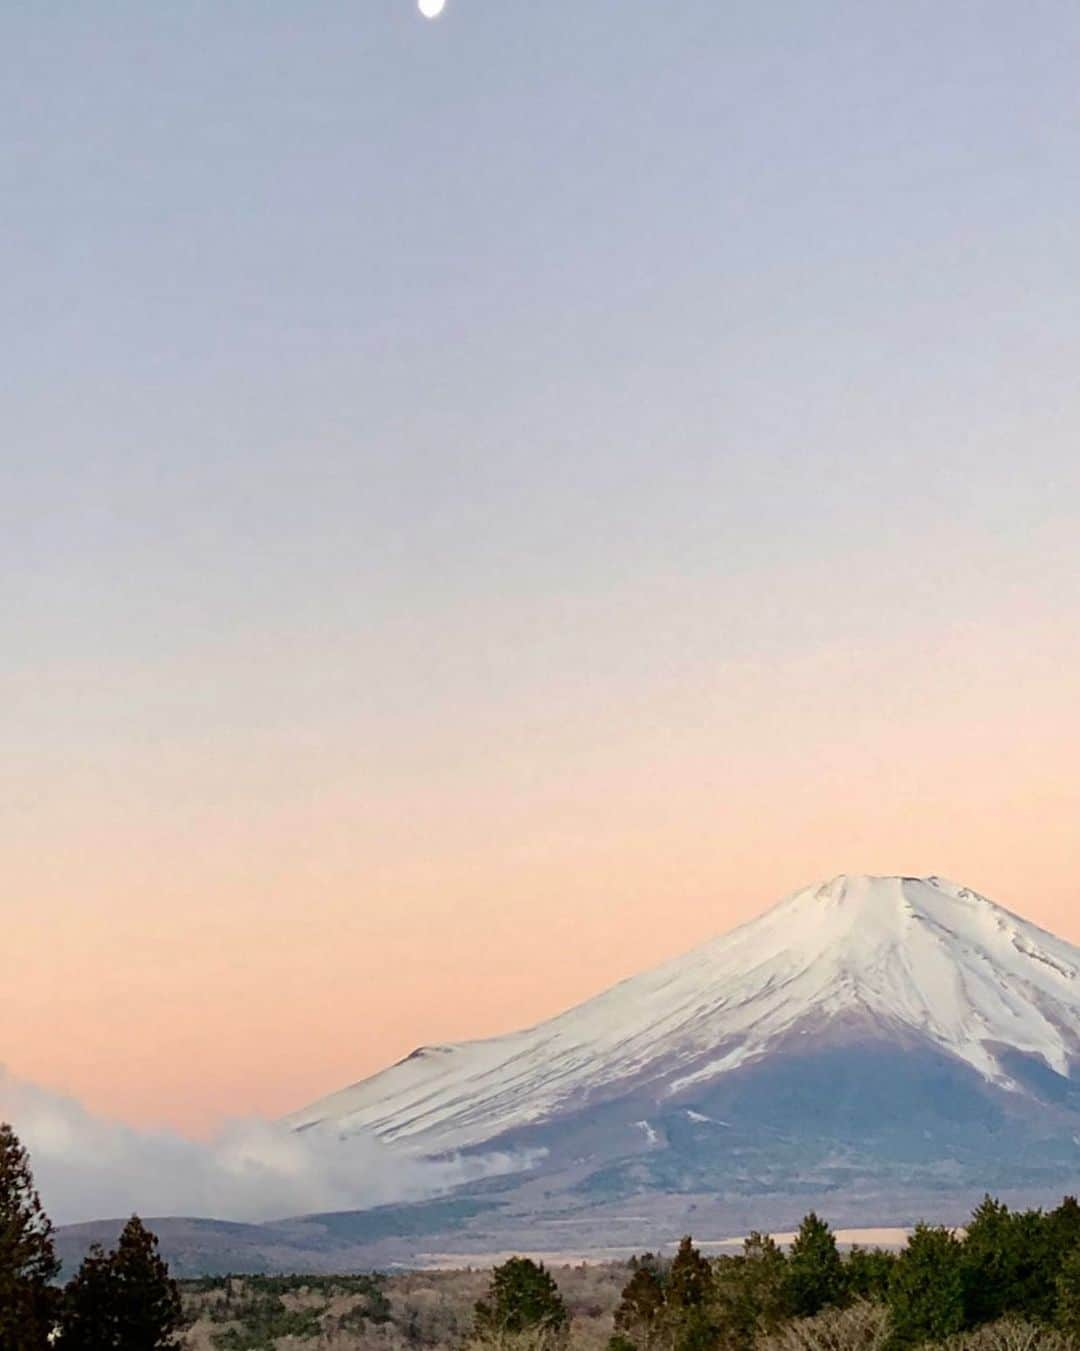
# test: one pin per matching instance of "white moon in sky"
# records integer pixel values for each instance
(431, 9)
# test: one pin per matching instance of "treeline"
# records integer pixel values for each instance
(1017, 1272)
(122, 1300)
(1021, 1265)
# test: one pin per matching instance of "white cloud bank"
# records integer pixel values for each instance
(88, 1168)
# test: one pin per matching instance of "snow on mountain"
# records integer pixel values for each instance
(917, 958)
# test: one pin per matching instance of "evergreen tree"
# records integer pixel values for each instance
(926, 1291)
(868, 1272)
(985, 1256)
(733, 1303)
(1011, 1265)
(522, 1296)
(1068, 1291)
(815, 1270)
(1064, 1226)
(1032, 1267)
(690, 1278)
(688, 1292)
(750, 1293)
(123, 1300)
(766, 1276)
(639, 1317)
(28, 1262)
(150, 1309)
(89, 1314)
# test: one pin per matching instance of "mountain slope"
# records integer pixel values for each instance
(881, 1049)
(874, 970)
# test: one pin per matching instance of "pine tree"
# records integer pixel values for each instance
(815, 1270)
(734, 1306)
(926, 1292)
(28, 1262)
(638, 1318)
(1012, 1261)
(766, 1276)
(986, 1255)
(750, 1293)
(151, 1313)
(689, 1288)
(88, 1315)
(868, 1272)
(123, 1300)
(690, 1277)
(1064, 1225)
(1068, 1290)
(523, 1296)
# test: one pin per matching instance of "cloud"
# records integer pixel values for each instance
(87, 1167)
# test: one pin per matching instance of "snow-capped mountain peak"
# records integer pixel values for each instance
(911, 958)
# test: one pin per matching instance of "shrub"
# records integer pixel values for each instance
(1011, 1334)
(862, 1326)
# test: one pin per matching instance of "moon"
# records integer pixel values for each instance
(431, 9)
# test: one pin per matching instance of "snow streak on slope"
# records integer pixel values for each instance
(911, 955)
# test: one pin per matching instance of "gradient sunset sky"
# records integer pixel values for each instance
(488, 504)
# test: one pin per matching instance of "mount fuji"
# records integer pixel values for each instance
(898, 1034)
(883, 1049)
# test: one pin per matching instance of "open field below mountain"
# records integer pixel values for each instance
(409, 1311)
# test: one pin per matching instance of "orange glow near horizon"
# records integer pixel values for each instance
(215, 931)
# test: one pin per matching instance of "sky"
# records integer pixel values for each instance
(487, 504)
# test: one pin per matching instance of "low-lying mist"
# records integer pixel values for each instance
(87, 1167)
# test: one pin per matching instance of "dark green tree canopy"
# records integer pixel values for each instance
(868, 1272)
(638, 1316)
(690, 1278)
(28, 1262)
(88, 1317)
(1064, 1224)
(926, 1292)
(816, 1278)
(1068, 1295)
(523, 1295)
(1012, 1263)
(766, 1278)
(690, 1316)
(1015, 1274)
(123, 1300)
(750, 1293)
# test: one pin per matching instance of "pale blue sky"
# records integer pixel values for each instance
(401, 410)
(533, 296)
